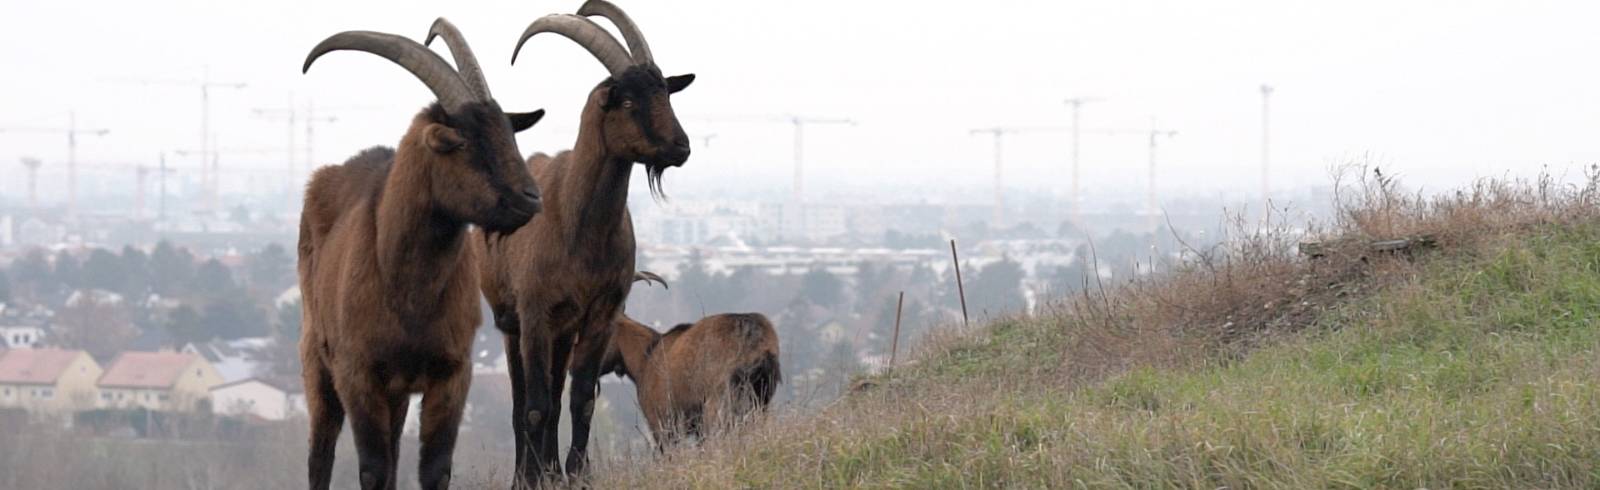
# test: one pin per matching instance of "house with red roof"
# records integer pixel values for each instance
(48, 381)
(162, 381)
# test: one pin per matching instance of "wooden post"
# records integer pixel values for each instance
(894, 345)
(960, 289)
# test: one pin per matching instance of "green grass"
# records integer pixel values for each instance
(1481, 369)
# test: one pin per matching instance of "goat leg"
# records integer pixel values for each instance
(537, 404)
(442, 406)
(327, 420)
(585, 388)
(370, 422)
(519, 420)
(399, 404)
(560, 353)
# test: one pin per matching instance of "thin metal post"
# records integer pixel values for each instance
(894, 345)
(961, 290)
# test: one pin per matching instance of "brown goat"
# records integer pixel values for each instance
(557, 285)
(386, 270)
(698, 377)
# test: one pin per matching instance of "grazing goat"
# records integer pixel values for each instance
(698, 377)
(557, 285)
(388, 275)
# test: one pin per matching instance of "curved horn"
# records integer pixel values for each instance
(630, 31)
(584, 32)
(434, 72)
(649, 277)
(466, 62)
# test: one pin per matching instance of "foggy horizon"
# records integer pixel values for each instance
(1425, 91)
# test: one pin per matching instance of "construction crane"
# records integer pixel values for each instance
(799, 123)
(1154, 135)
(294, 117)
(1076, 103)
(141, 173)
(308, 117)
(32, 164)
(1266, 176)
(72, 131)
(205, 84)
(999, 133)
(214, 164)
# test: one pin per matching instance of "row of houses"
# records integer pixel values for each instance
(55, 383)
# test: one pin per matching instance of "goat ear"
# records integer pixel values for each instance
(608, 95)
(680, 82)
(442, 139)
(521, 121)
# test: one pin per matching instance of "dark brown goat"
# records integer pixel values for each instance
(557, 285)
(386, 270)
(698, 377)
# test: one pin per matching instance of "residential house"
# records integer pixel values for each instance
(234, 359)
(51, 381)
(268, 399)
(21, 328)
(20, 336)
(162, 381)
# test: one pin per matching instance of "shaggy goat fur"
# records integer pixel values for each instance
(390, 286)
(557, 285)
(698, 377)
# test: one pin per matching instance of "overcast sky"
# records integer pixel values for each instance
(1439, 92)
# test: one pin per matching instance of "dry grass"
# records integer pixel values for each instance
(1473, 364)
(1245, 366)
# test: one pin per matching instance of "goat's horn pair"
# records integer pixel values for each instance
(594, 38)
(584, 32)
(449, 85)
(466, 62)
(630, 31)
(649, 277)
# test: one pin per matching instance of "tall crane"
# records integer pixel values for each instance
(72, 131)
(141, 173)
(205, 84)
(1266, 181)
(1154, 135)
(295, 117)
(999, 133)
(799, 123)
(32, 164)
(1076, 104)
(211, 158)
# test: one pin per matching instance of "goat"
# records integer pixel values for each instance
(697, 377)
(388, 276)
(557, 285)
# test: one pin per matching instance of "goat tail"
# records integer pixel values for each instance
(751, 329)
(755, 383)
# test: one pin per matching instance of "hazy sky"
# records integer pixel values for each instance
(1437, 91)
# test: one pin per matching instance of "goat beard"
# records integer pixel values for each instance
(652, 174)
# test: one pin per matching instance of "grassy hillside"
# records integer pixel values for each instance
(1475, 363)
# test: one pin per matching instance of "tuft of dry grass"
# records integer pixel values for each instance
(1470, 364)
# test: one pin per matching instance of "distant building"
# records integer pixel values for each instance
(234, 359)
(21, 327)
(267, 399)
(50, 381)
(807, 223)
(162, 381)
(20, 336)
